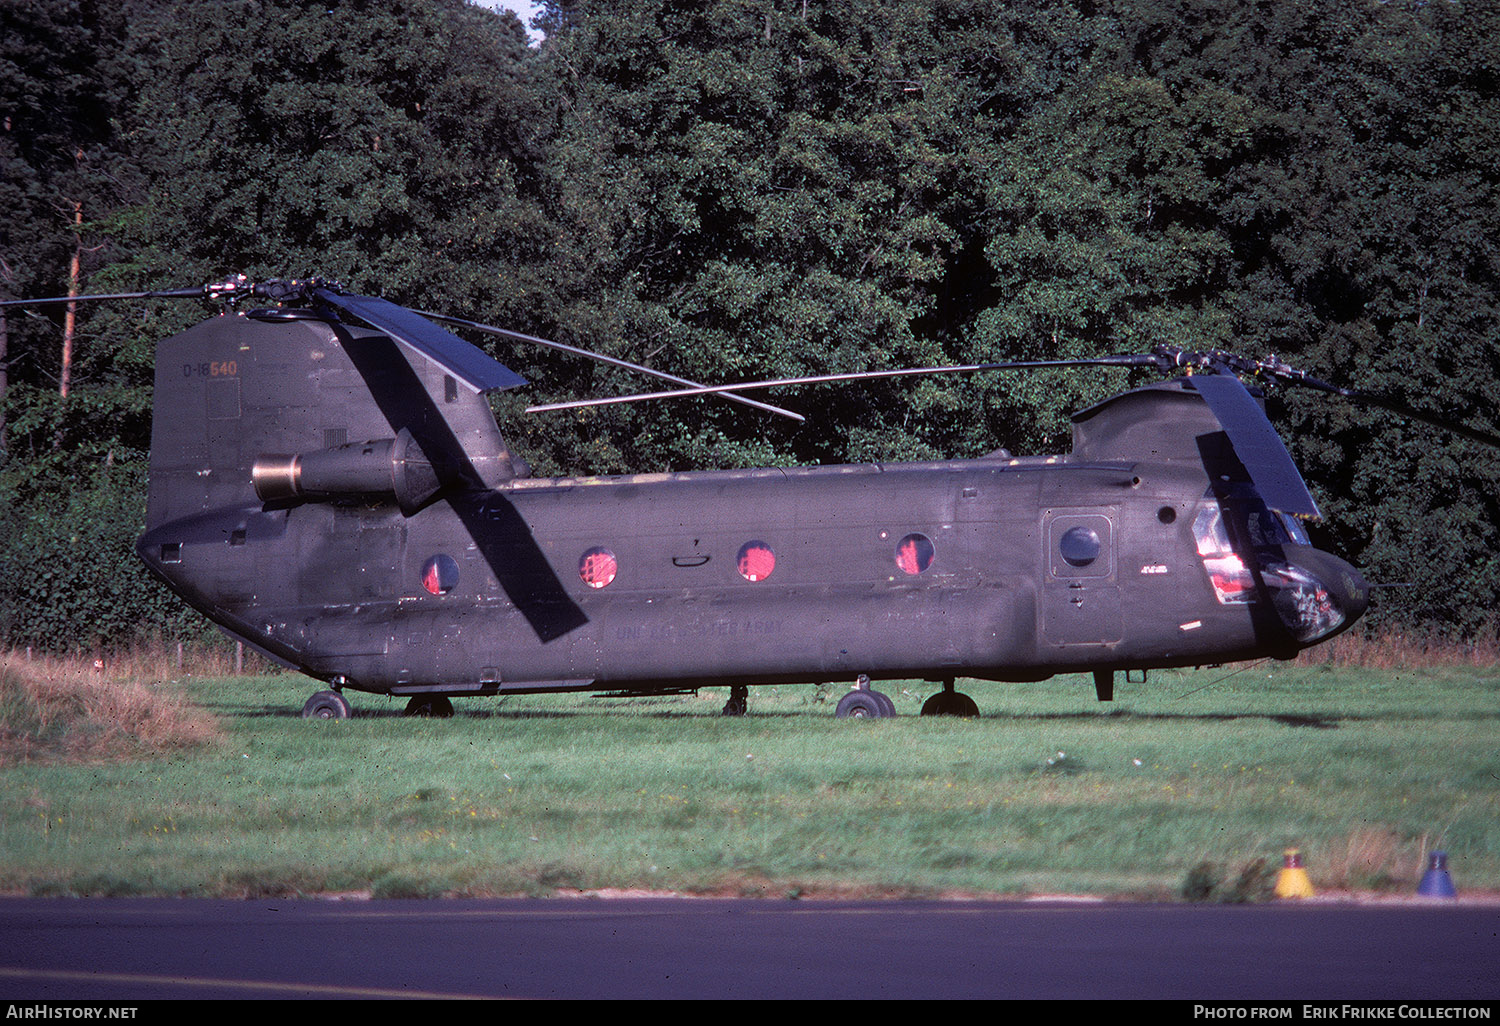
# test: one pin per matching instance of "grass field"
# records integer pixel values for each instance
(1191, 785)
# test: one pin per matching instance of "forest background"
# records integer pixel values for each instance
(762, 188)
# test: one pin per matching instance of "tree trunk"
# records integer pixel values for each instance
(70, 319)
(4, 376)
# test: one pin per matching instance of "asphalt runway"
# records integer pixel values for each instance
(126, 950)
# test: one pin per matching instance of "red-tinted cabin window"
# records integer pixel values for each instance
(755, 561)
(598, 567)
(914, 554)
(440, 574)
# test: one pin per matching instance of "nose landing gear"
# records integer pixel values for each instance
(327, 705)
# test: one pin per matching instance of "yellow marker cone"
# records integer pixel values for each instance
(1292, 882)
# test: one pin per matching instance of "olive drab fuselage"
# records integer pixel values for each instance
(354, 512)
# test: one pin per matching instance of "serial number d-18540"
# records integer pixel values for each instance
(211, 369)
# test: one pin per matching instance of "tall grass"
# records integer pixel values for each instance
(1396, 649)
(80, 710)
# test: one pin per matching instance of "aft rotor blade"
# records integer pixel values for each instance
(94, 297)
(474, 368)
(613, 361)
(1256, 443)
(1130, 360)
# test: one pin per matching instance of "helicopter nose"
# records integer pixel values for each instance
(1315, 593)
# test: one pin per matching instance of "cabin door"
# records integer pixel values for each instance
(1080, 588)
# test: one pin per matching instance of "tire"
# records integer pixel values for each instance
(859, 705)
(950, 703)
(327, 705)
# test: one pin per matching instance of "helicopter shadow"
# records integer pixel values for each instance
(246, 711)
(497, 529)
(1311, 721)
(1308, 721)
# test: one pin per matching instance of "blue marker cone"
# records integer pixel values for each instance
(1436, 883)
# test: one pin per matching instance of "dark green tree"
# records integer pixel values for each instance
(758, 188)
(380, 145)
(750, 189)
(1316, 182)
(384, 145)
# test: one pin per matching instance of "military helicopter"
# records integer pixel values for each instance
(329, 485)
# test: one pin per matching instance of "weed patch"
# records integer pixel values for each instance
(1253, 881)
(73, 710)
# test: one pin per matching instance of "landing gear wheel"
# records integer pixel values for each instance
(327, 705)
(950, 703)
(865, 705)
(739, 701)
(433, 706)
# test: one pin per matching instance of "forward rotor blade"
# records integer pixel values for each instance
(1256, 443)
(1473, 434)
(474, 368)
(1297, 377)
(1129, 360)
(563, 347)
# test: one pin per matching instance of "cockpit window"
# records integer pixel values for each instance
(1294, 529)
(1255, 524)
(1232, 580)
(1209, 531)
(1270, 527)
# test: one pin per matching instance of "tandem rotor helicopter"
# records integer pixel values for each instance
(329, 485)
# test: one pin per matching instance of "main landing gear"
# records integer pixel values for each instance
(739, 701)
(865, 703)
(332, 705)
(949, 703)
(430, 706)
